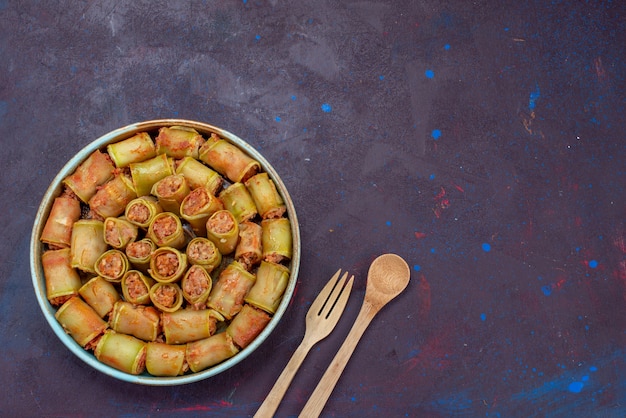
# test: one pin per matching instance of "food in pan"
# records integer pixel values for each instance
(112, 265)
(139, 252)
(268, 201)
(92, 173)
(111, 199)
(118, 232)
(167, 265)
(136, 287)
(199, 175)
(203, 252)
(142, 211)
(247, 325)
(58, 230)
(166, 230)
(100, 294)
(228, 160)
(81, 322)
(62, 281)
(122, 351)
(271, 281)
(196, 286)
(139, 321)
(87, 244)
(170, 192)
(198, 207)
(249, 249)
(238, 201)
(178, 141)
(166, 253)
(135, 149)
(230, 289)
(223, 230)
(166, 359)
(168, 297)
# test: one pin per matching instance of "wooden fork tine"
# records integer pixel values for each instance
(340, 301)
(333, 296)
(322, 297)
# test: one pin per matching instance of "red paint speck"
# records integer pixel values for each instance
(420, 235)
(599, 68)
(442, 202)
(204, 408)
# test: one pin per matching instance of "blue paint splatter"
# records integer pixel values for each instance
(483, 316)
(446, 47)
(486, 247)
(417, 267)
(293, 98)
(575, 387)
(593, 264)
(388, 223)
(436, 134)
(381, 77)
(431, 177)
(533, 97)
(547, 290)
(433, 251)
(326, 108)
(429, 73)
(277, 118)
(258, 37)
(593, 369)
(584, 378)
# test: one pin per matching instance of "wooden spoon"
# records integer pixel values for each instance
(388, 276)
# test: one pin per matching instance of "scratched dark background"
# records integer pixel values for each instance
(483, 141)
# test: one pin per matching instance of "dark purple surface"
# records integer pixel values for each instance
(482, 141)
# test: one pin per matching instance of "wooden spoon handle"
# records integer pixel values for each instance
(316, 402)
(271, 402)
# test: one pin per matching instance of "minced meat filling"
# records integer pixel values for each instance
(166, 264)
(111, 265)
(138, 249)
(196, 282)
(164, 226)
(200, 251)
(166, 296)
(196, 200)
(136, 287)
(168, 187)
(138, 213)
(221, 223)
(112, 234)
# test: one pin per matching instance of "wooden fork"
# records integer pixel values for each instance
(321, 318)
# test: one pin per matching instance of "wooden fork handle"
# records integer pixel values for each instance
(271, 402)
(316, 402)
